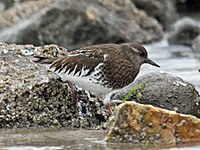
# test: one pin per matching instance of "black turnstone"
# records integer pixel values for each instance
(101, 69)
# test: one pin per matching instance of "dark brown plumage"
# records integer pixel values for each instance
(101, 68)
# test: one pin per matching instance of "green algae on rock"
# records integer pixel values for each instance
(165, 91)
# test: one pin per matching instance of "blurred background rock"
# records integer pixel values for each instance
(75, 24)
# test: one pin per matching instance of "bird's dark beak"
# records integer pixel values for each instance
(149, 61)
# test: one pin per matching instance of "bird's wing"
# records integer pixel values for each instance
(79, 62)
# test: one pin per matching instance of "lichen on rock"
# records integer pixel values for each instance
(138, 123)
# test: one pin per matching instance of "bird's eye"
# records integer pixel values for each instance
(143, 54)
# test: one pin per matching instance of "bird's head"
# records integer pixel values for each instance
(136, 53)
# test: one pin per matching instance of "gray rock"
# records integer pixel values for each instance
(184, 6)
(5, 4)
(185, 31)
(162, 10)
(166, 91)
(75, 24)
(30, 96)
(196, 46)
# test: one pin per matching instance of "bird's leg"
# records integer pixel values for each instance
(74, 93)
(109, 103)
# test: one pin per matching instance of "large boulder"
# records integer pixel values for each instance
(145, 124)
(31, 96)
(166, 91)
(162, 10)
(184, 32)
(75, 24)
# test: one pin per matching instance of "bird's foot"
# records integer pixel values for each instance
(109, 108)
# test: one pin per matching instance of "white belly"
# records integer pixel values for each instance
(86, 83)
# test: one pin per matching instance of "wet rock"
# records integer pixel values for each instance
(31, 96)
(76, 24)
(166, 91)
(185, 31)
(164, 11)
(196, 46)
(138, 123)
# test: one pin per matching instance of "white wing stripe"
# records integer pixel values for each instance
(73, 72)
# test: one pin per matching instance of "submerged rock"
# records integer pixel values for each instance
(185, 31)
(31, 96)
(166, 91)
(75, 24)
(138, 123)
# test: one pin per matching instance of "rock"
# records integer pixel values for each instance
(162, 10)
(30, 96)
(138, 123)
(196, 46)
(166, 91)
(185, 31)
(184, 6)
(74, 24)
(5, 4)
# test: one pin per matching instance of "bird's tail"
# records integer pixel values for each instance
(44, 60)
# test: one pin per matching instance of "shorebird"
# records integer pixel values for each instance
(100, 69)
